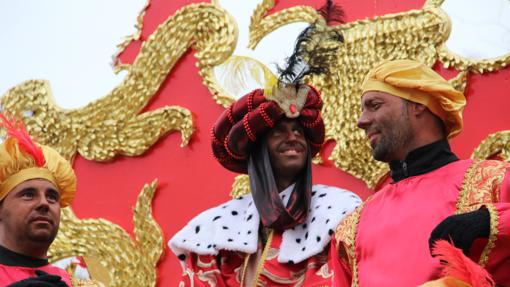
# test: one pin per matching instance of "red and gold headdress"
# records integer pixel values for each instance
(21, 159)
(245, 121)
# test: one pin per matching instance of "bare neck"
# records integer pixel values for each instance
(283, 183)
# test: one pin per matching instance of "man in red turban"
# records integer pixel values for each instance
(35, 182)
(278, 235)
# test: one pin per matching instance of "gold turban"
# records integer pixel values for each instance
(21, 159)
(418, 83)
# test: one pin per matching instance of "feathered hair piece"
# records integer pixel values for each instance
(17, 130)
(457, 265)
(310, 56)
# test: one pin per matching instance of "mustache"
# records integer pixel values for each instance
(291, 144)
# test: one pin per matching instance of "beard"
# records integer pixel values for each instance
(395, 135)
(46, 235)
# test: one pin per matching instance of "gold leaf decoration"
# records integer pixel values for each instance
(414, 34)
(117, 64)
(260, 26)
(112, 125)
(128, 262)
(496, 144)
(241, 186)
(459, 82)
(451, 59)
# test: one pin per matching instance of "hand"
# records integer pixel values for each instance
(462, 229)
(43, 279)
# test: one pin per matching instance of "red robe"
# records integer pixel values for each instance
(385, 241)
(206, 270)
(11, 274)
(222, 246)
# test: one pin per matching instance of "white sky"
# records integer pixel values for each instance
(71, 43)
(480, 29)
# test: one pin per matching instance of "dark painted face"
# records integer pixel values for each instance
(385, 120)
(287, 147)
(31, 212)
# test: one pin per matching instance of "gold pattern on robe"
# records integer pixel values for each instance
(482, 186)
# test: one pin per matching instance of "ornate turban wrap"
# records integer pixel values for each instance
(418, 83)
(238, 144)
(21, 159)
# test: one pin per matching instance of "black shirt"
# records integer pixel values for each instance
(422, 160)
(11, 258)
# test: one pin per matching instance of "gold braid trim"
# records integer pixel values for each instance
(467, 188)
(484, 258)
(245, 267)
(260, 265)
(481, 187)
(345, 234)
(497, 143)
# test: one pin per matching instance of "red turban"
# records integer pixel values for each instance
(254, 114)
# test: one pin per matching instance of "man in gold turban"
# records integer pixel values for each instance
(35, 182)
(408, 114)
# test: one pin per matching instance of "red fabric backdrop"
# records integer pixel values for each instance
(190, 180)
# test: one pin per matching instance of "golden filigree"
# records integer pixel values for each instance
(494, 231)
(117, 64)
(325, 272)
(496, 144)
(241, 186)
(482, 186)
(345, 236)
(415, 34)
(260, 26)
(262, 260)
(459, 82)
(209, 276)
(296, 278)
(451, 59)
(129, 262)
(113, 125)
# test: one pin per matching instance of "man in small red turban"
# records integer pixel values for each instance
(277, 235)
(35, 182)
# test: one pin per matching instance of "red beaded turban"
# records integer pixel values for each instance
(250, 117)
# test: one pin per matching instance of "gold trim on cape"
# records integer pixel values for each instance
(481, 187)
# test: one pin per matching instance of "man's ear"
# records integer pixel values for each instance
(418, 109)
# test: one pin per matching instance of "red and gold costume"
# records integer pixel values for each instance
(21, 159)
(232, 244)
(393, 227)
(15, 267)
(385, 241)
